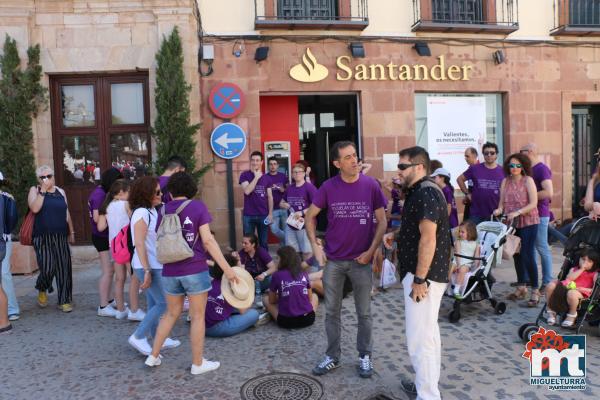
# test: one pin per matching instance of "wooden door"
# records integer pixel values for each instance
(98, 121)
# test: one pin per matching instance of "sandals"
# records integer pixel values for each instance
(569, 323)
(519, 294)
(551, 320)
(534, 300)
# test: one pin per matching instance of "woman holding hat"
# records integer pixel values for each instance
(592, 194)
(222, 320)
(189, 276)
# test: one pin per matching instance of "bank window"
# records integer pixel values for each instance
(77, 106)
(446, 124)
(127, 103)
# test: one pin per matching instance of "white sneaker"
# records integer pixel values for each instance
(263, 318)
(206, 366)
(136, 316)
(140, 345)
(122, 314)
(171, 343)
(152, 361)
(107, 311)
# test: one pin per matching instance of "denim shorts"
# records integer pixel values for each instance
(187, 284)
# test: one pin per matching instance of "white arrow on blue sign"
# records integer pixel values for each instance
(228, 140)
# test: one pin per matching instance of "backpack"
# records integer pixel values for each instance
(11, 214)
(171, 246)
(122, 246)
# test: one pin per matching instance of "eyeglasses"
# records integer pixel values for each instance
(158, 192)
(298, 172)
(524, 151)
(403, 167)
(489, 153)
(511, 165)
(49, 176)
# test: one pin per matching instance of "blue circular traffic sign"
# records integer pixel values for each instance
(226, 100)
(228, 140)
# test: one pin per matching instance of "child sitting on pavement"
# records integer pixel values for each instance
(579, 285)
(222, 319)
(466, 245)
(291, 301)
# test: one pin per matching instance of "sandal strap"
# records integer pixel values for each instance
(572, 315)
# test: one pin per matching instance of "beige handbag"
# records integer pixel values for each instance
(511, 247)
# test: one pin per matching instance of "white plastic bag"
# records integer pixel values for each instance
(388, 274)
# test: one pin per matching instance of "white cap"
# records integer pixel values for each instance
(442, 172)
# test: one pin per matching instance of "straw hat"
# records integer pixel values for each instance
(241, 294)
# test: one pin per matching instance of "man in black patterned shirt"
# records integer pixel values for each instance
(424, 257)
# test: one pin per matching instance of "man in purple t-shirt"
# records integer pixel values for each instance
(542, 177)
(486, 178)
(351, 199)
(174, 164)
(258, 200)
(278, 181)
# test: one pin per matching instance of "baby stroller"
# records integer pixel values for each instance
(491, 236)
(584, 234)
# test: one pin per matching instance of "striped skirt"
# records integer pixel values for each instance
(54, 260)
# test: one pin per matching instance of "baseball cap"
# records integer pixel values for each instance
(442, 172)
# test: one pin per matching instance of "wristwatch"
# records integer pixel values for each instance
(419, 281)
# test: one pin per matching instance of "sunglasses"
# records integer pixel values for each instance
(489, 153)
(403, 167)
(158, 192)
(511, 165)
(49, 176)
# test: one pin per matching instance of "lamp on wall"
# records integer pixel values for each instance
(357, 49)
(498, 57)
(422, 49)
(261, 53)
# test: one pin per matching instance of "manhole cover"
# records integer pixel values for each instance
(282, 386)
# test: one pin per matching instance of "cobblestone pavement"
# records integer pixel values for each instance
(51, 355)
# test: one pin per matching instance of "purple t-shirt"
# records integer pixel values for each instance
(217, 309)
(94, 202)
(541, 172)
(449, 195)
(486, 189)
(299, 197)
(255, 265)
(350, 211)
(256, 203)
(279, 179)
(163, 181)
(192, 218)
(293, 293)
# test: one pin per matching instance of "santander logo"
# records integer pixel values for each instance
(309, 70)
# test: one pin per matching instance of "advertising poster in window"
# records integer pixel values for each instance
(453, 124)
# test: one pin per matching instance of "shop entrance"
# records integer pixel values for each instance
(311, 124)
(586, 140)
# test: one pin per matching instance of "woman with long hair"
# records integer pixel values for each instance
(144, 196)
(518, 201)
(100, 242)
(52, 233)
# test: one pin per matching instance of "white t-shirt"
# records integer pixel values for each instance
(97, 173)
(152, 216)
(117, 218)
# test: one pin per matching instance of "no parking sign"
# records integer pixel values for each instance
(226, 100)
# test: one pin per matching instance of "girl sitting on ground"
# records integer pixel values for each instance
(466, 245)
(579, 285)
(221, 318)
(291, 301)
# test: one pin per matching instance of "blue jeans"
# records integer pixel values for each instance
(7, 283)
(525, 264)
(279, 223)
(256, 224)
(156, 304)
(233, 325)
(561, 233)
(541, 245)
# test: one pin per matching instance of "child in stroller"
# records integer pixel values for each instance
(578, 285)
(466, 245)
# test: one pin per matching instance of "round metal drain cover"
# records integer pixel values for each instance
(282, 386)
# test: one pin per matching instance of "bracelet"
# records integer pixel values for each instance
(146, 271)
